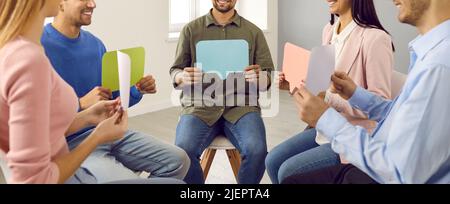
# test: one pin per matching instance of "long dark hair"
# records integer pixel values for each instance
(365, 15)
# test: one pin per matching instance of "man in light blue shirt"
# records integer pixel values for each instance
(412, 141)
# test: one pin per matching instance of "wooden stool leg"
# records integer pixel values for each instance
(206, 161)
(235, 161)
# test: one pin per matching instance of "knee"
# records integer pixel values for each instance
(180, 163)
(286, 170)
(273, 163)
(188, 146)
(187, 149)
(182, 159)
(187, 136)
(255, 152)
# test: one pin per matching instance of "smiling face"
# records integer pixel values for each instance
(339, 7)
(224, 6)
(411, 11)
(79, 12)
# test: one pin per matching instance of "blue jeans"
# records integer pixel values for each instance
(299, 154)
(248, 135)
(83, 176)
(136, 152)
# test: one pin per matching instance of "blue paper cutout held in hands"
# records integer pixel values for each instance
(222, 56)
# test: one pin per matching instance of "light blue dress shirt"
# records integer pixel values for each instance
(412, 141)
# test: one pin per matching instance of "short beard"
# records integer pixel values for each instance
(418, 8)
(226, 10)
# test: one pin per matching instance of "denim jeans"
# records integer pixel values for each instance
(248, 135)
(83, 176)
(136, 152)
(299, 154)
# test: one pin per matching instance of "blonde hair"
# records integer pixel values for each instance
(14, 15)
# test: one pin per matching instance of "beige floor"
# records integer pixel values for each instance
(2, 179)
(162, 125)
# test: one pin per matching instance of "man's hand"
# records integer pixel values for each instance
(97, 94)
(311, 107)
(252, 73)
(189, 76)
(343, 85)
(147, 85)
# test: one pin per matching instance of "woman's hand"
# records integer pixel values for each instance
(101, 111)
(322, 95)
(112, 129)
(284, 85)
(109, 130)
(93, 115)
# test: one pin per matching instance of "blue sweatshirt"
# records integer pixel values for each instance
(79, 62)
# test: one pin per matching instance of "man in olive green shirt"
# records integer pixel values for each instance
(241, 123)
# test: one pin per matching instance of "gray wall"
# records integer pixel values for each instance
(301, 22)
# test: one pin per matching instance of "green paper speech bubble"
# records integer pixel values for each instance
(110, 68)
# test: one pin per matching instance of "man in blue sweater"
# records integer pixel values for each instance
(77, 57)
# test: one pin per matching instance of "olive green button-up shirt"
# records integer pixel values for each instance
(206, 28)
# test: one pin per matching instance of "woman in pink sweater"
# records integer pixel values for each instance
(37, 108)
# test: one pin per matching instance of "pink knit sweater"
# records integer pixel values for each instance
(36, 109)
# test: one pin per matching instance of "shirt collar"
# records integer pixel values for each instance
(211, 21)
(341, 37)
(425, 43)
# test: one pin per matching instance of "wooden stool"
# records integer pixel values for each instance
(221, 143)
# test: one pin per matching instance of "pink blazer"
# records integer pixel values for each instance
(367, 58)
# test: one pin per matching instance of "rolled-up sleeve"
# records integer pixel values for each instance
(183, 55)
(263, 56)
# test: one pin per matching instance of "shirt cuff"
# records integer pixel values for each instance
(361, 99)
(330, 123)
(173, 76)
(135, 93)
